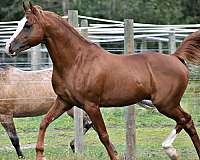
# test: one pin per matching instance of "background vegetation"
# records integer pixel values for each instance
(143, 11)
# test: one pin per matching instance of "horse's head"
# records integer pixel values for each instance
(30, 31)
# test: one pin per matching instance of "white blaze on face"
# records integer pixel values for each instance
(20, 26)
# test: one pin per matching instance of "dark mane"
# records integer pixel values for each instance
(191, 46)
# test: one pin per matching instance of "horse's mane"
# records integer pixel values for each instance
(68, 26)
(38, 7)
(190, 48)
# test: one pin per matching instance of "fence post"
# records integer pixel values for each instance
(78, 113)
(143, 46)
(84, 32)
(35, 57)
(172, 41)
(129, 110)
(65, 6)
(160, 47)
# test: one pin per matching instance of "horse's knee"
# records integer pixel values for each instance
(104, 138)
(44, 124)
(190, 128)
(39, 149)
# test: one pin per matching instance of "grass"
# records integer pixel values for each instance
(152, 129)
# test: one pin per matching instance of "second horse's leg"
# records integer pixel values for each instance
(9, 126)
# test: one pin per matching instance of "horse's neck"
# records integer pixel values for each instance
(64, 45)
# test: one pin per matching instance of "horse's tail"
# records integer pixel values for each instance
(189, 50)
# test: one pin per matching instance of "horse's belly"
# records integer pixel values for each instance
(31, 108)
(123, 98)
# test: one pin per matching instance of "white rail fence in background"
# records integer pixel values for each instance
(108, 33)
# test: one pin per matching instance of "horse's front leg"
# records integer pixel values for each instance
(95, 115)
(56, 110)
(9, 126)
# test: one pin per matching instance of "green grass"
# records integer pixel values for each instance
(152, 129)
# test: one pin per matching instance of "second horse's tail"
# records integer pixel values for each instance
(189, 50)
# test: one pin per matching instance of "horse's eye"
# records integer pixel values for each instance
(27, 25)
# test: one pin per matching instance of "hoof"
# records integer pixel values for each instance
(41, 158)
(72, 146)
(171, 152)
(21, 157)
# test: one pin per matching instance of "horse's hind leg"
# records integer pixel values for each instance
(167, 144)
(56, 110)
(8, 124)
(184, 121)
(191, 130)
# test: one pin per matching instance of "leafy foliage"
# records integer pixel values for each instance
(144, 11)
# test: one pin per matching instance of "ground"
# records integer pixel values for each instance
(152, 129)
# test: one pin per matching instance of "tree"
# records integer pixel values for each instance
(190, 11)
(13, 10)
(143, 11)
(10, 10)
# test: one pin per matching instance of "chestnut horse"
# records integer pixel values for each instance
(87, 76)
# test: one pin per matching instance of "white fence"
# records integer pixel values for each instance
(109, 34)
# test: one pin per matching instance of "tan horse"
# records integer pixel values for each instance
(27, 94)
(87, 76)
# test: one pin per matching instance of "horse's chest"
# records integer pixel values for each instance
(79, 86)
(63, 88)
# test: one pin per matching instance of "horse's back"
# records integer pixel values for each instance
(144, 76)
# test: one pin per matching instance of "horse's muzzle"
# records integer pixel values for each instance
(15, 47)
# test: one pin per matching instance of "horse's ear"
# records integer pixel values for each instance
(33, 8)
(25, 7)
(30, 4)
